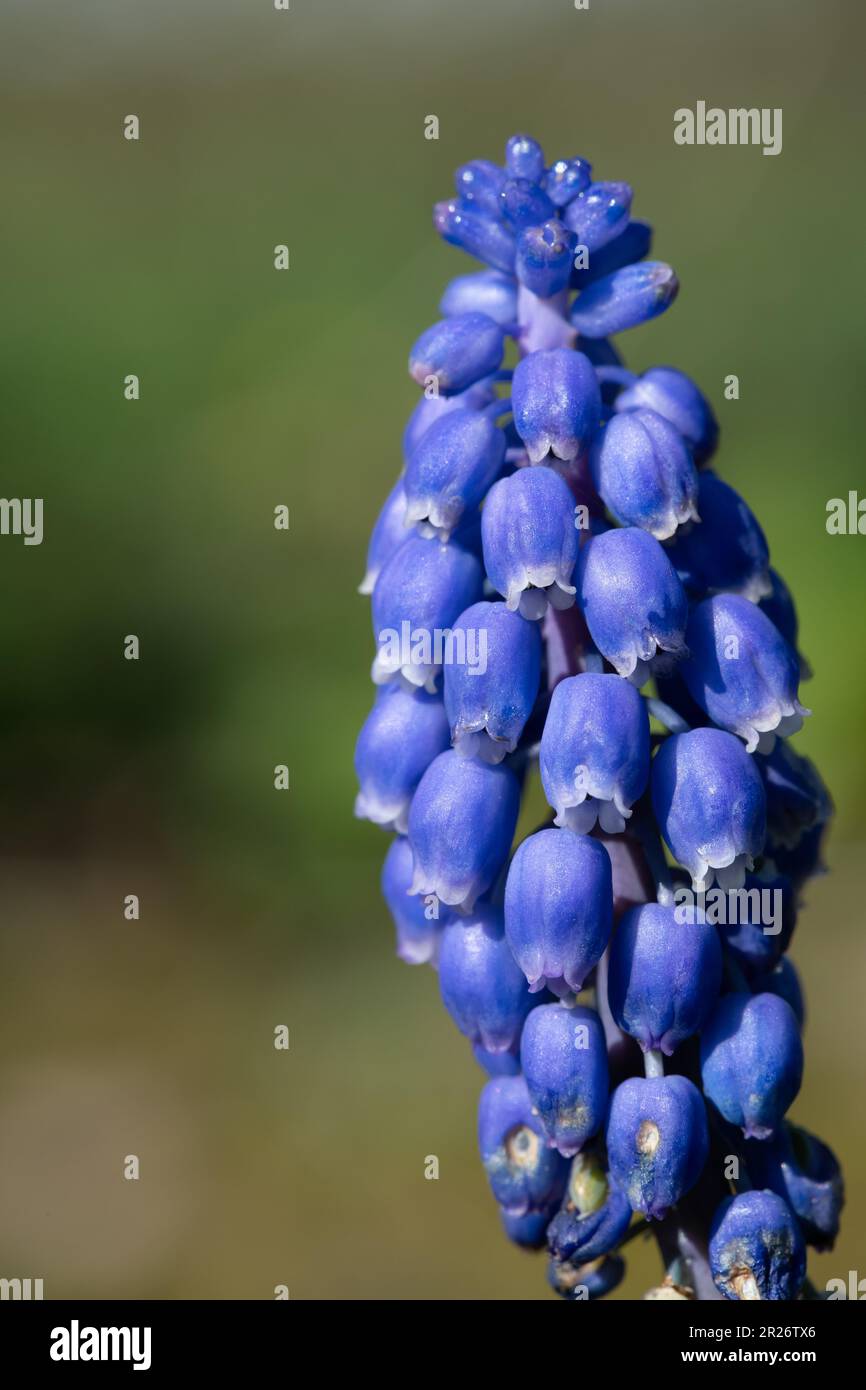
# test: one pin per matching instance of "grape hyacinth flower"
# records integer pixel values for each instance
(806, 1173)
(595, 752)
(657, 1141)
(404, 731)
(678, 400)
(556, 542)
(421, 590)
(457, 352)
(710, 805)
(563, 1056)
(557, 403)
(461, 824)
(742, 672)
(451, 468)
(756, 1248)
(524, 1172)
(632, 600)
(530, 542)
(418, 921)
(489, 700)
(664, 976)
(558, 909)
(482, 985)
(643, 470)
(752, 1061)
(727, 552)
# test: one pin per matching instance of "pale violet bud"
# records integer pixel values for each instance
(557, 403)
(483, 292)
(477, 233)
(530, 540)
(595, 752)
(643, 471)
(479, 184)
(632, 600)
(461, 824)
(627, 297)
(742, 672)
(450, 469)
(491, 683)
(710, 806)
(566, 178)
(558, 909)
(457, 352)
(599, 214)
(544, 258)
(524, 204)
(404, 731)
(524, 158)
(422, 589)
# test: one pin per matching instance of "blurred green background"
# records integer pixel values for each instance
(306, 1168)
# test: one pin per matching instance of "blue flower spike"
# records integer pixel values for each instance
(558, 909)
(530, 541)
(595, 752)
(756, 1248)
(561, 581)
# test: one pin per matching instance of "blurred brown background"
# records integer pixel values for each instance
(259, 908)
